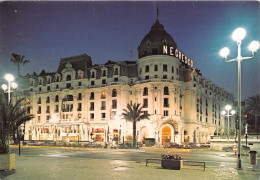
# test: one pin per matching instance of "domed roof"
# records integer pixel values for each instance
(152, 43)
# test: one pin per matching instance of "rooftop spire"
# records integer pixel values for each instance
(157, 12)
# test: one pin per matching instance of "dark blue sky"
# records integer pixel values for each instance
(46, 31)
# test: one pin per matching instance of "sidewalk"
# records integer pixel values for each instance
(66, 167)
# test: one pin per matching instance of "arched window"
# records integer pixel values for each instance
(116, 71)
(145, 93)
(56, 98)
(68, 78)
(79, 96)
(166, 90)
(114, 93)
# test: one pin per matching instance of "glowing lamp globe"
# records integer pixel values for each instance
(233, 112)
(224, 52)
(9, 77)
(4, 87)
(228, 107)
(239, 34)
(223, 113)
(14, 85)
(253, 46)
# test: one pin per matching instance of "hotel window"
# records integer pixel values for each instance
(145, 112)
(114, 104)
(113, 114)
(165, 102)
(56, 108)
(206, 119)
(116, 71)
(68, 78)
(40, 89)
(132, 81)
(155, 99)
(165, 67)
(116, 79)
(146, 77)
(93, 75)
(165, 113)
(79, 96)
(47, 118)
(79, 83)
(156, 76)
(166, 90)
(57, 78)
(147, 68)
(103, 81)
(56, 98)
(172, 77)
(200, 118)
(145, 103)
(39, 101)
(39, 119)
(79, 107)
(79, 115)
(47, 109)
(92, 96)
(39, 110)
(155, 67)
(114, 93)
(103, 105)
(172, 69)
(104, 73)
(91, 106)
(154, 111)
(140, 71)
(57, 86)
(92, 116)
(145, 93)
(92, 83)
(103, 115)
(68, 85)
(48, 99)
(48, 88)
(164, 76)
(103, 95)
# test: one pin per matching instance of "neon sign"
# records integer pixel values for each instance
(178, 54)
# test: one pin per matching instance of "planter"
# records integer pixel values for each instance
(171, 164)
(7, 161)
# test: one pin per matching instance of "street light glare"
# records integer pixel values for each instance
(224, 52)
(14, 85)
(223, 113)
(239, 34)
(233, 112)
(4, 87)
(228, 107)
(253, 46)
(9, 77)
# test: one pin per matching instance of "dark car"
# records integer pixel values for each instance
(171, 145)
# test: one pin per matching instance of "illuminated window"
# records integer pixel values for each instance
(103, 95)
(80, 75)
(79, 115)
(28, 101)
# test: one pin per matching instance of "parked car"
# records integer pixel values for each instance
(171, 145)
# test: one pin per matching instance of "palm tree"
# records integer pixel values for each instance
(134, 114)
(253, 106)
(12, 116)
(18, 61)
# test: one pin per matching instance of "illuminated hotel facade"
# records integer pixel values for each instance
(85, 102)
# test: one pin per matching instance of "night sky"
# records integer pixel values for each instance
(46, 31)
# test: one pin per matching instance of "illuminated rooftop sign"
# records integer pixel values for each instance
(178, 54)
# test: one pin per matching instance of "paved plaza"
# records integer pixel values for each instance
(45, 163)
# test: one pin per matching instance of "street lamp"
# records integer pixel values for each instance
(9, 78)
(238, 35)
(229, 112)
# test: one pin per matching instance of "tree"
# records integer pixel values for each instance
(253, 106)
(18, 61)
(134, 114)
(11, 117)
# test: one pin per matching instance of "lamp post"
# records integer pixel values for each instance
(228, 112)
(9, 78)
(238, 35)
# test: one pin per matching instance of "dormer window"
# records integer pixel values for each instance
(80, 76)
(92, 74)
(104, 73)
(68, 78)
(116, 71)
